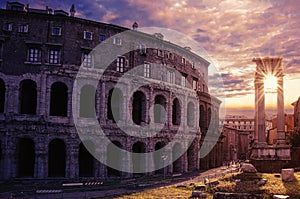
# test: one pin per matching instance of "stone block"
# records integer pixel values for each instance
(287, 175)
(198, 194)
(280, 197)
(248, 168)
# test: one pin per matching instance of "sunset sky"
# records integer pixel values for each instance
(231, 31)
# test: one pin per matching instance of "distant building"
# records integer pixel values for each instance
(272, 133)
(296, 105)
(238, 134)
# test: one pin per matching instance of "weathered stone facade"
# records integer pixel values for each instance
(41, 53)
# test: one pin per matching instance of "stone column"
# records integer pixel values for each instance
(280, 112)
(261, 127)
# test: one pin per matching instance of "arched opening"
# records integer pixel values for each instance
(208, 117)
(26, 157)
(87, 101)
(59, 99)
(138, 159)
(2, 95)
(159, 158)
(57, 158)
(114, 158)
(28, 97)
(176, 112)
(192, 156)
(202, 121)
(114, 104)
(139, 108)
(190, 114)
(160, 109)
(86, 160)
(177, 159)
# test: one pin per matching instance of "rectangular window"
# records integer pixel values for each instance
(87, 35)
(171, 56)
(147, 70)
(171, 77)
(54, 56)
(102, 37)
(160, 53)
(34, 54)
(121, 64)
(23, 28)
(7, 27)
(142, 49)
(56, 31)
(87, 60)
(195, 84)
(183, 80)
(203, 88)
(118, 41)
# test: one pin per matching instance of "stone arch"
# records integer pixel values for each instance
(190, 117)
(86, 160)
(114, 157)
(176, 112)
(177, 159)
(25, 157)
(87, 101)
(2, 95)
(158, 157)
(114, 104)
(139, 107)
(57, 158)
(138, 159)
(28, 97)
(59, 99)
(160, 109)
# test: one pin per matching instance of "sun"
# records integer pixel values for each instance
(270, 84)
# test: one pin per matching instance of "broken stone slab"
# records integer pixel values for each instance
(200, 188)
(287, 175)
(262, 182)
(222, 195)
(248, 168)
(280, 197)
(198, 194)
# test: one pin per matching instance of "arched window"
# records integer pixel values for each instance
(139, 108)
(159, 157)
(87, 101)
(176, 112)
(86, 160)
(59, 99)
(114, 104)
(159, 109)
(57, 158)
(138, 160)
(209, 117)
(28, 97)
(202, 121)
(26, 157)
(114, 158)
(190, 114)
(2, 95)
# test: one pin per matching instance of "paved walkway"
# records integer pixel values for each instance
(183, 179)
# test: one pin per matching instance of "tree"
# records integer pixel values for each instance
(294, 137)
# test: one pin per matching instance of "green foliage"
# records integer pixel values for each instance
(294, 137)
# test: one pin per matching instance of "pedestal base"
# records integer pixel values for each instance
(270, 159)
